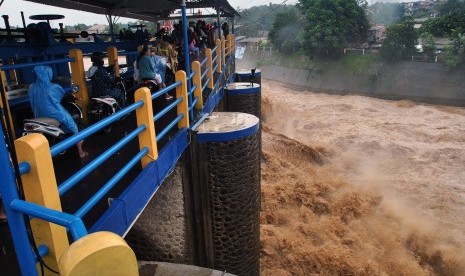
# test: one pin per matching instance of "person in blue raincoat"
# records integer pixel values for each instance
(45, 98)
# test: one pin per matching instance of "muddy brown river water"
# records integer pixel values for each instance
(354, 185)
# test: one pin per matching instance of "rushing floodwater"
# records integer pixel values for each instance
(353, 185)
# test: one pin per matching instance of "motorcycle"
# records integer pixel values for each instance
(105, 106)
(50, 127)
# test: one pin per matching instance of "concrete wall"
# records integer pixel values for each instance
(419, 81)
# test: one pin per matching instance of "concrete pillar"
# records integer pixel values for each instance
(246, 76)
(227, 192)
(244, 97)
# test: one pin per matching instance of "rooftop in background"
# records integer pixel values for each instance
(97, 28)
(139, 9)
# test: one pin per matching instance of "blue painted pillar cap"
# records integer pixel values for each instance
(238, 88)
(245, 72)
(227, 126)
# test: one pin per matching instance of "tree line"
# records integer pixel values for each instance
(326, 27)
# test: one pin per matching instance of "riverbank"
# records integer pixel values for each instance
(362, 75)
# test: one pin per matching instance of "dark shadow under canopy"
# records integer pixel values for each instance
(149, 10)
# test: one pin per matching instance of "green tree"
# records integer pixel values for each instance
(400, 40)
(259, 18)
(428, 43)
(455, 51)
(332, 24)
(451, 6)
(452, 17)
(80, 27)
(285, 32)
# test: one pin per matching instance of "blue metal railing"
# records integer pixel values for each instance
(16, 207)
(214, 60)
(134, 53)
(167, 109)
(216, 66)
(204, 73)
(71, 141)
(110, 184)
(203, 61)
(24, 167)
(82, 173)
(166, 89)
(73, 223)
(204, 86)
(192, 75)
(192, 90)
(169, 127)
(32, 64)
(196, 99)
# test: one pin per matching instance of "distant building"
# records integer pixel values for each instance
(252, 41)
(97, 28)
(376, 34)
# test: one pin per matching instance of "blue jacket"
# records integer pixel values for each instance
(45, 98)
(159, 66)
(146, 70)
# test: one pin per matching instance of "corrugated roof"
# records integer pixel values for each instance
(139, 9)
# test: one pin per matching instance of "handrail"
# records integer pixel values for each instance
(166, 89)
(133, 53)
(167, 109)
(204, 61)
(24, 167)
(214, 59)
(71, 141)
(196, 99)
(204, 73)
(32, 64)
(192, 74)
(73, 223)
(82, 173)
(194, 86)
(110, 184)
(206, 84)
(169, 127)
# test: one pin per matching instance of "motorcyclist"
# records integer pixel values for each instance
(45, 98)
(147, 71)
(103, 80)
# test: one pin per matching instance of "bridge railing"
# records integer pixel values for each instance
(38, 174)
(41, 190)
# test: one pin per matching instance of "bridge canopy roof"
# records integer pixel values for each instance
(149, 10)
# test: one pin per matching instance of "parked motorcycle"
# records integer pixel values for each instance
(105, 106)
(50, 127)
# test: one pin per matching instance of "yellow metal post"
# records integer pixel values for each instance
(229, 44)
(181, 92)
(218, 54)
(144, 116)
(208, 54)
(100, 253)
(5, 106)
(223, 50)
(79, 78)
(40, 187)
(233, 43)
(112, 53)
(197, 80)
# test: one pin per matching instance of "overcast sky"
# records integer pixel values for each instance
(14, 7)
